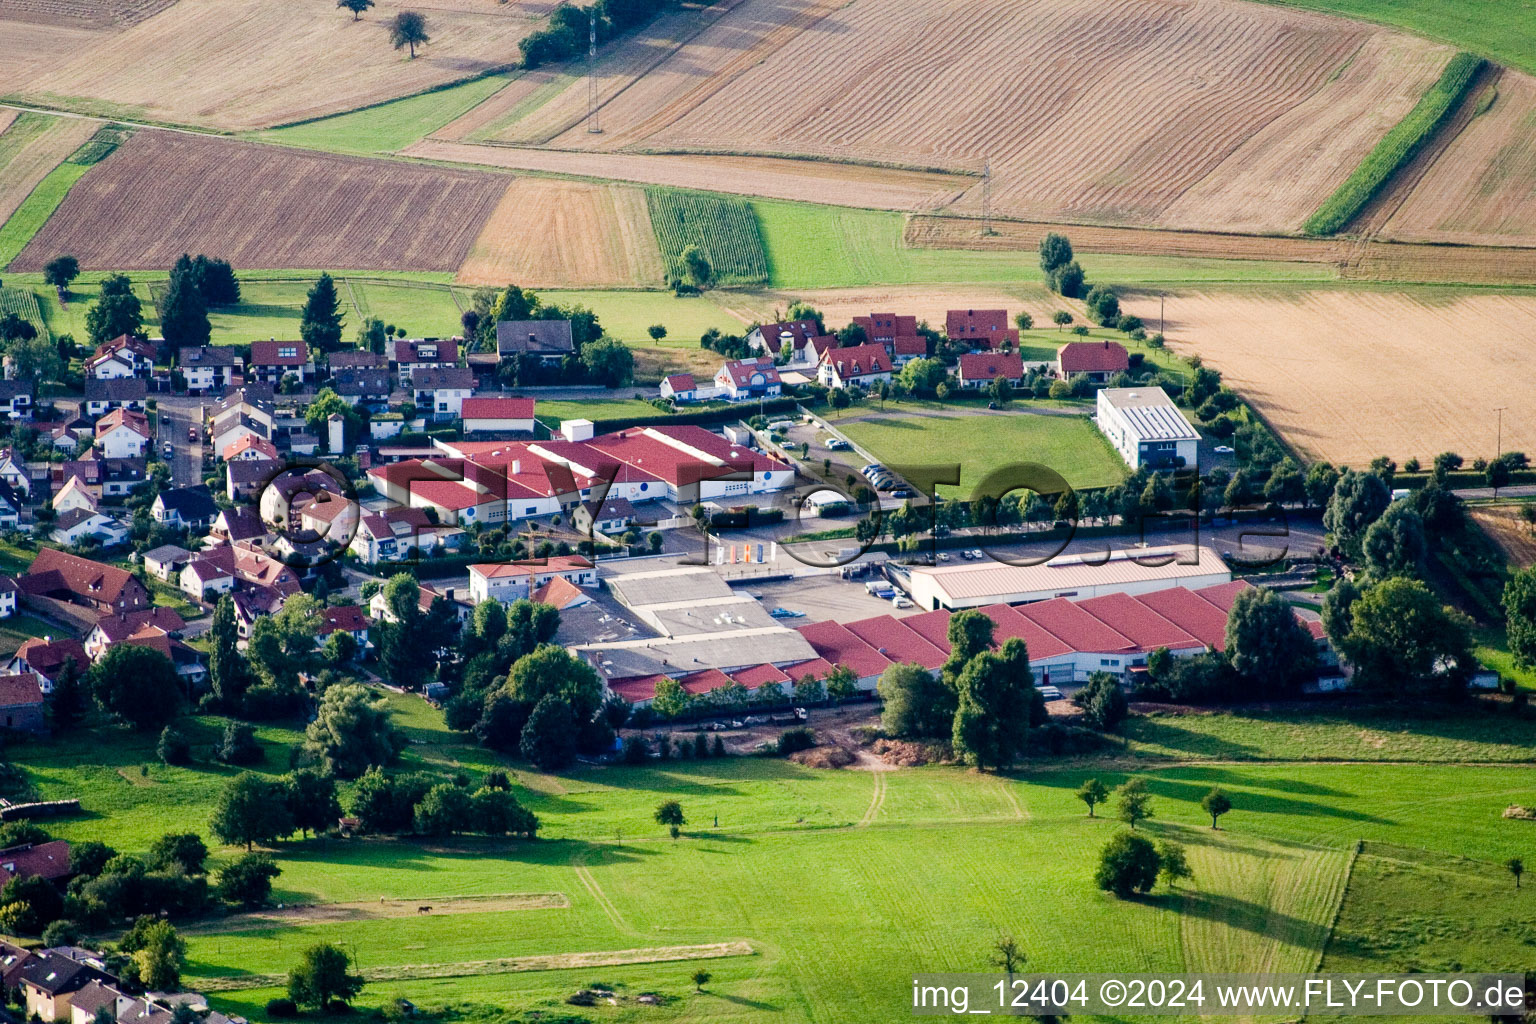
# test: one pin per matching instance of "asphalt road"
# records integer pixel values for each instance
(177, 413)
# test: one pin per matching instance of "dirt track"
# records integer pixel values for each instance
(368, 910)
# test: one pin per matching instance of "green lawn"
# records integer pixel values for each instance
(389, 126)
(18, 629)
(627, 314)
(553, 412)
(982, 443)
(1504, 30)
(35, 210)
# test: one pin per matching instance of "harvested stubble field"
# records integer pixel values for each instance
(31, 145)
(1510, 531)
(1252, 114)
(548, 233)
(234, 65)
(263, 206)
(1429, 367)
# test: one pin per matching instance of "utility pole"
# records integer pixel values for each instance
(593, 127)
(1161, 296)
(986, 200)
(1499, 442)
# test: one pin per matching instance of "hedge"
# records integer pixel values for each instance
(1397, 147)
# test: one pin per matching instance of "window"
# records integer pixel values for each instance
(287, 352)
(531, 510)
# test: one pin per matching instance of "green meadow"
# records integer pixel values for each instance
(386, 127)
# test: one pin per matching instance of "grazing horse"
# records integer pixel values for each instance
(423, 910)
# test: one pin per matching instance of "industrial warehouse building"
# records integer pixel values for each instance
(1146, 428)
(1139, 571)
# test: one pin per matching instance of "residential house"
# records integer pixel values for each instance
(84, 526)
(123, 356)
(326, 516)
(65, 577)
(789, 343)
(979, 369)
(980, 328)
(239, 525)
(187, 507)
(349, 619)
(229, 427)
(906, 348)
(271, 361)
(122, 434)
(251, 447)
(680, 387)
(615, 515)
(16, 399)
(102, 395)
(14, 472)
(357, 359)
(246, 478)
(409, 354)
(862, 365)
(74, 495)
(498, 415)
(884, 328)
(166, 561)
(11, 507)
(546, 340)
(440, 393)
(1096, 360)
(50, 980)
(111, 630)
(745, 380)
(105, 477)
(21, 710)
(399, 533)
(509, 581)
(48, 659)
(9, 592)
(1146, 428)
(385, 425)
(379, 609)
(211, 368)
(368, 387)
(207, 579)
(264, 579)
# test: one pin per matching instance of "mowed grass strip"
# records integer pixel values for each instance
(725, 229)
(390, 126)
(1397, 147)
(23, 302)
(34, 211)
(981, 443)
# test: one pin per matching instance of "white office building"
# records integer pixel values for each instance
(1147, 429)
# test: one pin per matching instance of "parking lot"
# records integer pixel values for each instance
(824, 598)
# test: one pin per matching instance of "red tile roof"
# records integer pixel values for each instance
(816, 668)
(1092, 357)
(1135, 620)
(134, 421)
(636, 688)
(836, 644)
(800, 332)
(931, 626)
(680, 382)
(82, 577)
(252, 442)
(704, 681)
(348, 618)
(50, 860)
(559, 593)
(910, 345)
(1076, 628)
(990, 365)
(1192, 613)
(1008, 623)
(962, 322)
(47, 658)
(20, 690)
(498, 408)
(264, 353)
(858, 360)
(741, 371)
(892, 638)
(759, 675)
(887, 325)
(554, 563)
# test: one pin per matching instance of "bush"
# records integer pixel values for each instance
(1128, 864)
(174, 748)
(798, 738)
(282, 1008)
(239, 745)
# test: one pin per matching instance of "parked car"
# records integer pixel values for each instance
(978, 553)
(737, 723)
(901, 601)
(943, 557)
(1049, 692)
(837, 444)
(786, 613)
(192, 434)
(801, 714)
(1223, 449)
(168, 449)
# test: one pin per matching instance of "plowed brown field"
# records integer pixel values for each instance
(1246, 117)
(1509, 530)
(1350, 375)
(549, 233)
(239, 64)
(165, 193)
(31, 145)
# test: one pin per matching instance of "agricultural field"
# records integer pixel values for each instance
(1309, 360)
(725, 230)
(194, 63)
(276, 208)
(983, 442)
(23, 302)
(388, 126)
(32, 145)
(1314, 96)
(546, 232)
(1507, 526)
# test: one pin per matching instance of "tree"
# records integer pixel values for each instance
(247, 882)
(657, 332)
(61, 272)
(184, 850)
(1267, 644)
(174, 748)
(670, 813)
(916, 704)
(182, 309)
(444, 810)
(136, 685)
(1216, 803)
(697, 266)
(251, 809)
(496, 812)
(553, 671)
(1134, 802)
(992, 714)
(1403, 642)
(321, 320)
(549, 737)
(14, 328)
(1358, 500)
(1103, 304)
(1519, 616)
(1172, 864)
(351, 732)
(238, 745)
(340, 649)
(117, 311)
(29, 903)
(1092, 792)
(700, 979)
(1103, 702)
(321, 978)
(1007, 954)
(282, 646)
(1337, 611)
(1023, 321)
(1515, 866)
(158, 953)
(357, 7)
(70, 699)
(1128, 864)
(1394, 544)
(216, 280)
(311, 799)
(1069, 280)
(1055, 252)
(228, 674)
(34, 360)
(608, 362)
(1061, 318)
(318, 413)
(840, 683)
